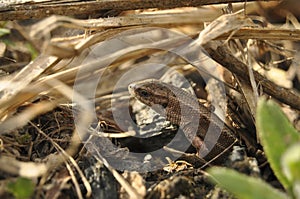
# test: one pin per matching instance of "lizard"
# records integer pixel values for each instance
(184, 110)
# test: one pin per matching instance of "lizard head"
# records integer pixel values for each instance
(150, 92)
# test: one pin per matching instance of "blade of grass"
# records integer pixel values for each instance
(242, 186)
(276, 134)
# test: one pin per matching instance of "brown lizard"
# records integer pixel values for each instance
(183, 109)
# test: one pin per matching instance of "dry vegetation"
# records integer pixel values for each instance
(51, 67)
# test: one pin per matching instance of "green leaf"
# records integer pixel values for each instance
(4, 31)
(290, 162)
(22, 188)
(242, 186)
(34, 53)
(276, 134)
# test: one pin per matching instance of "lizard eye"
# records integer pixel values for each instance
(144, 93)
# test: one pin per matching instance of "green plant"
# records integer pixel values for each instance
(22, 188)
(4, 31)
(281, 143)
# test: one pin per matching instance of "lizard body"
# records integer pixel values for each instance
(184, 110)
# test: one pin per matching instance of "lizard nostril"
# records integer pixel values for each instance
(131, 88)
(132, 85)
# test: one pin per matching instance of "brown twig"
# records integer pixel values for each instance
(222, 55)
(10, 10)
